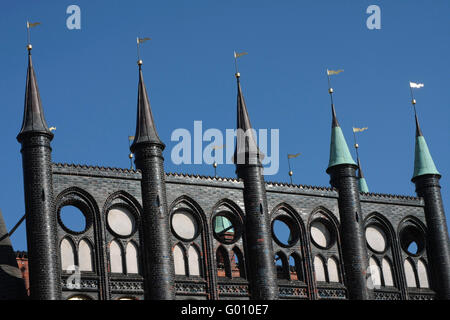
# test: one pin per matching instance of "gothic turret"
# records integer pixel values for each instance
(159, 268)
(41, 221)
(248, 158)
(426, 178)
(342, 171)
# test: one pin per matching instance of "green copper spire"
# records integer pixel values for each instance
(423, 162)
(339, 152)
(361, 180)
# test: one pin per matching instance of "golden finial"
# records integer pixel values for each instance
(140, 62)
(413, 101)
(356, 145)
(330, 90)
(130, 156)
(215, 164)
(291, 173)
(237, 75)
(29, 47)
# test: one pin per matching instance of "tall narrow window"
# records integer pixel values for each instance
(194, 261)
(423, 274)
(333, 271)
(282, 266)
(178, 257)
(387, 273)
(132, 258)
(67, 255)
(237, 266)
(375, 274)
(410, 274)
(115, 257)
(319, 269)
(223, 263)
(85, 256)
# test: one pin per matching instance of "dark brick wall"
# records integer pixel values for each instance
(206, 196)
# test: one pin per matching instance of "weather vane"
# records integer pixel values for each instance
(30, 25)
(237, 55)
(417, 86)
(139, 41)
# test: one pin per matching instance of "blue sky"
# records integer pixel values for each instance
(88, 81)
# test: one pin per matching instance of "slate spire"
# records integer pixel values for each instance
(246, 146)
(145, 125)
(33, 116)
(423, 162)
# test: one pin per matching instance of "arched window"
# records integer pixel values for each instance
(237, 266)
(178, 257)
(333, 271)
(85, 256)
(410, 274)
(423, 274)
(115, 257)
(67, 255)
(319, 269)
(295, 268)
(132, 258)
(281, 266)
(223, 263)
(375, 274)
(194, 261)
(387, 273)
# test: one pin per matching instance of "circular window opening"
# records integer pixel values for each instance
(121, 221)
(412, 240)
(376, 239)
(321, 234)
(226, 228)
(285, 231)
(72, 219)
(185, 225)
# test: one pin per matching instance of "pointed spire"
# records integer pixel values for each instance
(339, 152)
(33, 116)
(423, 162)
(246, 146)
(361, 180)
(145, 125)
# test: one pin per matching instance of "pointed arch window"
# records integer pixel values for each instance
(333, 270)
(295, 267)
(410, 274)
(422, 272)
(375, 274)
(193, 261)
(223, 263)
(319, 269)
(178, 257)
(85, 256)
(281, 265)
(388, 277)
(67, 255)
(237, 265)
(132, 261)
(115, 257)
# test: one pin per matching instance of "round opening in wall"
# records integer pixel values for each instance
(412, 240)
(185, 225)
(226, 228)
(285, 231)
(121, 221)
(72, 219)
(322, 234)
(376, 239)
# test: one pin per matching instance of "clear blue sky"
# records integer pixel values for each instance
(88, 81)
